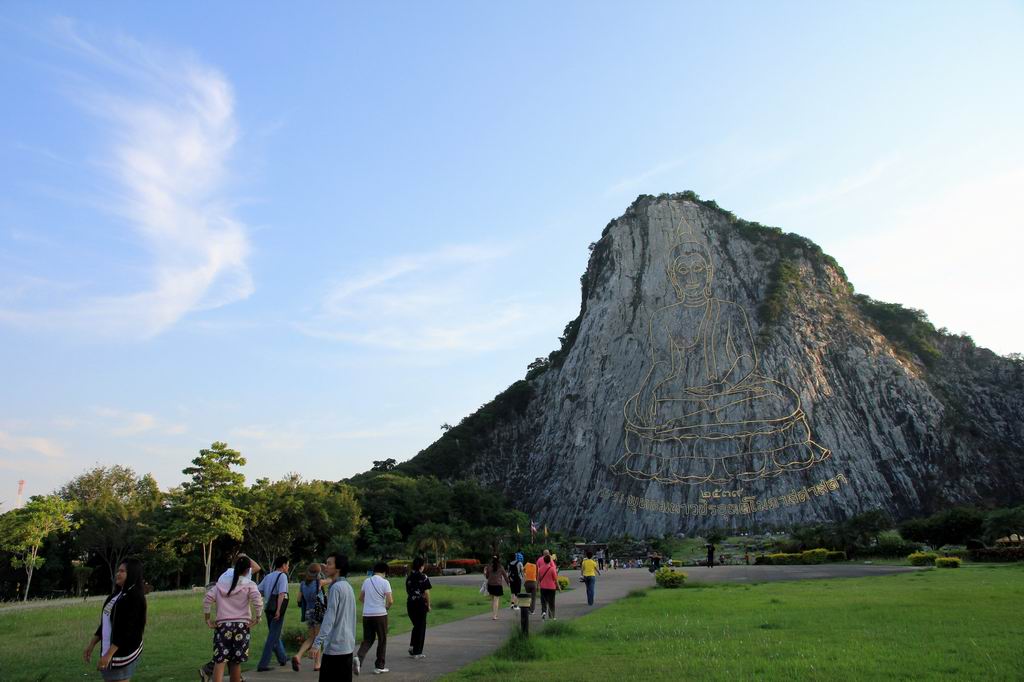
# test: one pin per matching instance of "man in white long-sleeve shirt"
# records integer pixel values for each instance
(337, 636)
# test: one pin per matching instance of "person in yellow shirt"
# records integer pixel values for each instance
(530, 582)
(590, 573)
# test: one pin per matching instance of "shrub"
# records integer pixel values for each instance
(468, 564)
(947, 562)
(563, 582)
(784, 559)
(666, 577)
(998, 554)
(957, 552)
(814, 556)
(399, 567)
(922, 559)
(835, 556)
(892, 545)
(762, 560)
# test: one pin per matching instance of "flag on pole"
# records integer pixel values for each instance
(518, 532)
(533, 530)
(545, 531)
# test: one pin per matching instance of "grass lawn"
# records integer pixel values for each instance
(46, 643)
(942, 624)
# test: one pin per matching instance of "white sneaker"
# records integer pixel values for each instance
(420, 656)
(378, 671)
(356, 665)
(544, 615)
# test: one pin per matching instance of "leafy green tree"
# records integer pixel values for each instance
(437, 538)
(208, 503)
(22, 531)
(1002, 522)
(111, 506)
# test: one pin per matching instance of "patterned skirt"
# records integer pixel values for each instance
(231, 643)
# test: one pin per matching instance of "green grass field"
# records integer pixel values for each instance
(46, 643)
(942, 624)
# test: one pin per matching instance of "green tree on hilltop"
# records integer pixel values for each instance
(209, 502)
(23, 531)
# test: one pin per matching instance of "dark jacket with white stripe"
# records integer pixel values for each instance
(127, 622)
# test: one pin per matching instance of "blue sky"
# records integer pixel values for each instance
(320, 233)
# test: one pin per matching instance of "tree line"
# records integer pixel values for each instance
(71, 541)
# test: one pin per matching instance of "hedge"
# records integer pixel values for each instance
(947, 562)
(814, 556)
(998, 554)
(922, 558)
(668, 578)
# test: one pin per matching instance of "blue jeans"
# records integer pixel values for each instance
(274, 646)
(591, 582)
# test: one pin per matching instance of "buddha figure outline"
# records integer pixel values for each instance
(704, 413)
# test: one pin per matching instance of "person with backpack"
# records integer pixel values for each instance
(417, 604)
(122, 623)
(235, 597)
(274, 588)
(376, 598)
(515, 579)
(313, 603)
(547, 579)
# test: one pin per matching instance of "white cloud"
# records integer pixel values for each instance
(436, 301)
(170, 120)
(30, 445)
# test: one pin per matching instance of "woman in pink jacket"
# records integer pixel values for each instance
(234, 596)
(547, 580)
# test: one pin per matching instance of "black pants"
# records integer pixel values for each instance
(374, 627)
(336, 668)
(418, 615)
(547, 601)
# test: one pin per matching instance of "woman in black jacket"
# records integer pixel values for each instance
(121, 624)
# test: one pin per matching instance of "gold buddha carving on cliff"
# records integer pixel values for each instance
(704, 413)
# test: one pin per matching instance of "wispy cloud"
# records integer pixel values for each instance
(840, 189)
(638, 181)
(123, 423)
(30, 445)
(171, 127)
(440, 300)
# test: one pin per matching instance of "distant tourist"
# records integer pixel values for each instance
(274, 588)
(206, 671)
(337, 639)
(417, 604)
(496, 578)
(313, 604)
(376, 598)
(234, 597)
(547, 579)
(122, 623)
(590, 571)
(600, 559)
(711, 555)
(515, 579)
(530, 583)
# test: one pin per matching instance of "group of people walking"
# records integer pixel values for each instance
(235, 604)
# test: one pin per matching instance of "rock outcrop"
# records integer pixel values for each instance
(724, 374)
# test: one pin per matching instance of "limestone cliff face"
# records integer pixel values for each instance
(724, 374)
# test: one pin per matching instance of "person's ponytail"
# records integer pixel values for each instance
(242, 565)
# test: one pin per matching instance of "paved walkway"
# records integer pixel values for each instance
(456, 644)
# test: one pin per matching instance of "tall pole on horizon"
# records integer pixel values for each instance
(21, 490)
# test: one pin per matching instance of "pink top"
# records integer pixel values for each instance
(547, 574)
(234, 606)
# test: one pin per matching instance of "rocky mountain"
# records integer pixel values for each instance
(725, 374)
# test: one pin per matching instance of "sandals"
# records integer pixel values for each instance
(295, 663)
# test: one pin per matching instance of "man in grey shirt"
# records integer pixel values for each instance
(337, 636)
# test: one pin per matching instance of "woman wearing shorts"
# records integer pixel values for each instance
(235, 598)
(496, 579)
(313, 602)
(121, 625)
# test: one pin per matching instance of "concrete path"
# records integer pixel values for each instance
(456, 644)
